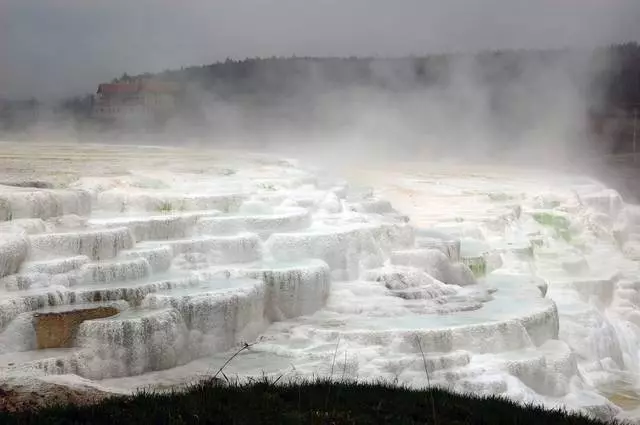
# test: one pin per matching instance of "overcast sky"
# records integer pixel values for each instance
(62, 47)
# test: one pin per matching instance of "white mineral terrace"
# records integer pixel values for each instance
(521, 284)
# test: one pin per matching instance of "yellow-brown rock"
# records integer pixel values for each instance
(57, 329)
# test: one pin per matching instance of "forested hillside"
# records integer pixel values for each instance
(500, 90)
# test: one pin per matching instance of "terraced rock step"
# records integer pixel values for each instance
(117, 271)
(432, 239)
(160, 264)
(264, 225)
(15, 303)
(435, 263)
(342, 248)
(292, 289)
(20, 203)
(57, 327)
(158, 201)
(241, 248)
(133, 342)
(96, 244)
(159, 258)
(218, 314)
(56, 266)
(168, 226)
(132, 292)
(30, 226)
(13, 251)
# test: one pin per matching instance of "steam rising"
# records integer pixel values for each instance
(495, 106)
(519, 105)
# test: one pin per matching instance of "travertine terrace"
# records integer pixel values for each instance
(160, 262)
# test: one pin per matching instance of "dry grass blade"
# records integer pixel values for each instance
(333, 363)
(244, 347)
(426, 369)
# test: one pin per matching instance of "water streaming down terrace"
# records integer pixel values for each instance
(157, 277)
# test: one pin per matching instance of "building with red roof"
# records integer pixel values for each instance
(135, 100)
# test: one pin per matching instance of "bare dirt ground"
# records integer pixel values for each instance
(16, 398)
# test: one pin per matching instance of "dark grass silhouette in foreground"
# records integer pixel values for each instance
(312, 402)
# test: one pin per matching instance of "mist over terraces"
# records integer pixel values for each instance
(502, 91)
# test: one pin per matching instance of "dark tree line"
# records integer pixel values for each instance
(618, 76)
(264, 83)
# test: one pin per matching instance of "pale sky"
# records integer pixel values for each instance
(51, 48)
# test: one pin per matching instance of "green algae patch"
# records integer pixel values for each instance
(165, 208)
(559, 223)
(477, 265)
